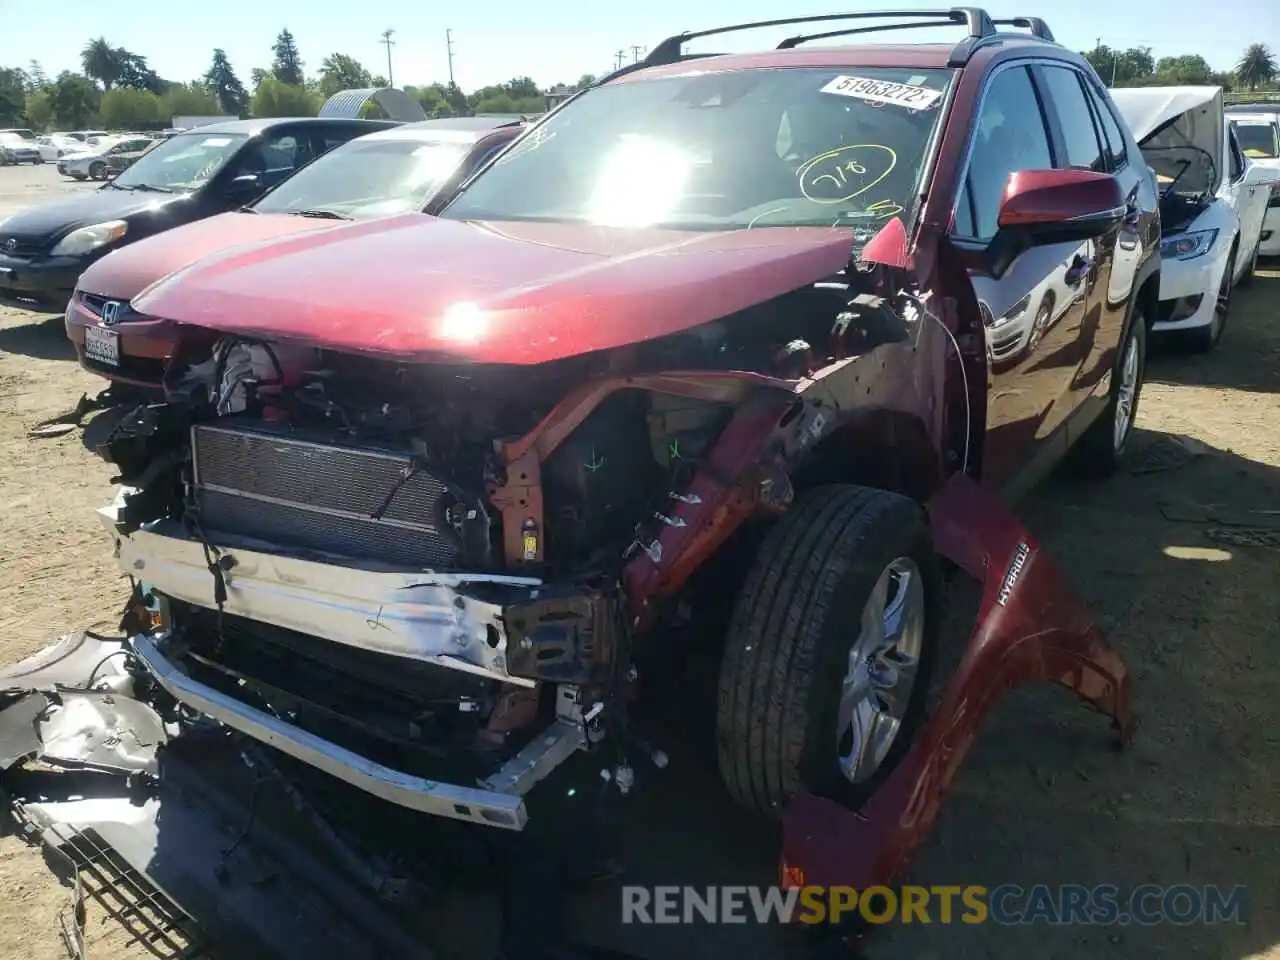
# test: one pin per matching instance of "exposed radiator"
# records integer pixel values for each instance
(274, 484)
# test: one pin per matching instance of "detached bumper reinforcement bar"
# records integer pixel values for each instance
(472, 804)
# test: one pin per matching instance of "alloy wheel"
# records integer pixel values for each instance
(882, 668)
(1127, 392)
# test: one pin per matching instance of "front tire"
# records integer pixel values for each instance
(1246, 279)
(1102, 449)
(98, 171)
(829, 650)
(1204, 339)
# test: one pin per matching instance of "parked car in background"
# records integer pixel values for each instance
(15, 149)
(55, 146)
(1212, 203)
(22, 132)
(121, 157)
(85, 136)
(95, 162)
(1259, 136)
(673, 377)
(43, 250)
(406, 168)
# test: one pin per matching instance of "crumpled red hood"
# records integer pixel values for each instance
(417, 287)
(124, 273)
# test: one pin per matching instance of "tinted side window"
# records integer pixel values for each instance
(1118, 153)
(1236, 158)
(1010, 136)
(1080, 137)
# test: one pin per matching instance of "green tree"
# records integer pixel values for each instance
(125, 108)
(228, 92)
(74, 100)
(522, 88)
(36, 77)
(102, 62)
(1119, 68)
(1257, 67)
(274, 98)
(286, 64)
(187, 99)
(586, 80)
(13, 96)
(136, 74)
(341, 72)
(40, 114)
(1190, 69)
(434, 99)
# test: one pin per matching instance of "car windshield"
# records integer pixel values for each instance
(368, 178)
(1257, 139)
(182, 163)
(753, 148)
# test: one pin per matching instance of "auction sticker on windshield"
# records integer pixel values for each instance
(102, 345)
(883, 91)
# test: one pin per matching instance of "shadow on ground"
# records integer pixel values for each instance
(1247, 357)
(43, 337)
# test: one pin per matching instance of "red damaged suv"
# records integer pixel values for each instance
(714, 365)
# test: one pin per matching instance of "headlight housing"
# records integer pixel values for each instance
(1017, 310)
(89, 238)
(1188, 246)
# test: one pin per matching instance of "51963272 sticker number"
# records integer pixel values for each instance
(883, 91)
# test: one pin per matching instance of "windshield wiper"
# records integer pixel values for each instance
(320, 214)
(115, 186)
(150, 188)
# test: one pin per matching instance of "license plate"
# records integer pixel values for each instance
(102, 345)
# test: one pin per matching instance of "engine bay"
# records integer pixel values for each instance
(426, 565)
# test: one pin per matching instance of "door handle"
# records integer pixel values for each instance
(1079, 269)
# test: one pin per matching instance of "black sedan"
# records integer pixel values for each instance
(191, 176)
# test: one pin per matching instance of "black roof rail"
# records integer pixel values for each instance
(976, 20)
(1039, 29)
(792, 42)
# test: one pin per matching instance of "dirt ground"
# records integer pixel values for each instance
(1192, 608)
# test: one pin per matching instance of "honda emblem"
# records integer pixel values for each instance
(111, 313)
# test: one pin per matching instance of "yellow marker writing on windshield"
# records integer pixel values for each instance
(840, 175)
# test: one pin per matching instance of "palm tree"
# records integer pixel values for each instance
(102, 62)
(1257, 66)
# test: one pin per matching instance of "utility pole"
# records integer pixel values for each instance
(448, 43)
(619, 58)
(635, 53)
(388, 43)
(1115, 59)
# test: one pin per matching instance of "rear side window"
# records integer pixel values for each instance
(1236, 157)
(1117, 153)
(1011, 136)
(1079, 135)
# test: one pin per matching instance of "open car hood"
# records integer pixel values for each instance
(420, 288)
(1180, 131)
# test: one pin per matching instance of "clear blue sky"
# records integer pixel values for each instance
(550, 40)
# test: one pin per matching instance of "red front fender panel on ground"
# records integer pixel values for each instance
(1030, 628)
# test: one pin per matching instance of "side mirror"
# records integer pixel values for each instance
(1054, 206)
(1257, 175)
